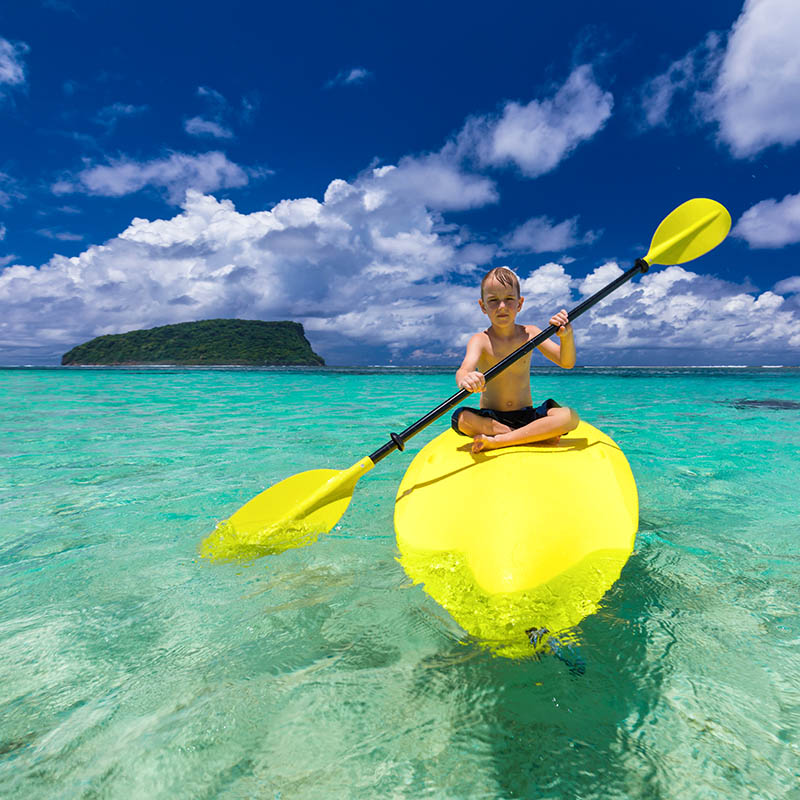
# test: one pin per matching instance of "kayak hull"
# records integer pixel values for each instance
(518, 538)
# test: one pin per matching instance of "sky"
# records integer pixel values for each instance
(357, 167)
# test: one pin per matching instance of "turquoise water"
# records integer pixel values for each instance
(129, 668)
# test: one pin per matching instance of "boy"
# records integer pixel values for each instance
(506, 416)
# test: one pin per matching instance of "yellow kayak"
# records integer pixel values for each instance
(517, 539)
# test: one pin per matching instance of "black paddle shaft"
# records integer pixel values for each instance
(398, 440)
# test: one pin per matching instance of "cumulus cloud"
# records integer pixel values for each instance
(771, 223)
(433, 180)
(12, 66)
(370, 271)
(355, 267)
(542, 235)
(537, 136)
(353, 76)
(172, 175)
(756, 96)
(749, 87)
(688, 313)
(547, 287)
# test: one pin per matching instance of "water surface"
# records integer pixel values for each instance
(130, 668)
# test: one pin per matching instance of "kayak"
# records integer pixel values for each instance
(520, 541)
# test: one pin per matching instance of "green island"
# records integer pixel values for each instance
(239, 342)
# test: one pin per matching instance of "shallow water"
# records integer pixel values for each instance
(130, 668)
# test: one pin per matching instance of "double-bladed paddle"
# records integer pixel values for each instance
(295, 511)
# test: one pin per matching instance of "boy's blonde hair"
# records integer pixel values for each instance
(503, 275)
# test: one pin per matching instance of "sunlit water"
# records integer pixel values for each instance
(130, 668)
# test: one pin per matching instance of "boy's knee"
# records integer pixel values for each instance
(463, 421)
(568, 418)
(573, 419)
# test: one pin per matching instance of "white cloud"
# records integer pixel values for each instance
(12, 67)
(537, 136)
(547, 287)
(352, 76)
(433, 180)
(750, 88)
(9, 190)
(369, 280)
(788, 285)
(601, 276)
(62, 236)
(197, 126)
(175, 174)
(217, 99)
(756, 97)
(3, 231)
(682, 76)
(658, 93)
(215, 122)
(542, 235)
(771, 223)
(350, 269)
(680, 310)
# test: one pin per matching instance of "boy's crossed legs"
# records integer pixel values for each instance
(489, 434)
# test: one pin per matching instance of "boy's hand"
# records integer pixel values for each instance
(561, 321)
(473, 382)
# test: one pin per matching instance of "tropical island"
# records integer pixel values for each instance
(209, 342)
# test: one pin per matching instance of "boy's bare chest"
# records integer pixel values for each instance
(496, 352)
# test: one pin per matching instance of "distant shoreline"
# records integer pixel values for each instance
(387, 368)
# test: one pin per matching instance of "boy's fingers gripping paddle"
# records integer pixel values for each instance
(295, 511)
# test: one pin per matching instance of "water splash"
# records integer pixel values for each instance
(227, 543)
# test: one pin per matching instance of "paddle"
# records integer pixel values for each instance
(295, 511)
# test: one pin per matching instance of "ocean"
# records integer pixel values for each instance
(130, 667)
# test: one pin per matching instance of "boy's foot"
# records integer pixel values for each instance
(481, 442)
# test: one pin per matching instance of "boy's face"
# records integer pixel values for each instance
(500, 303)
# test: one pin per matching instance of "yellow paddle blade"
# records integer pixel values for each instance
(692, 229)
(291, 513)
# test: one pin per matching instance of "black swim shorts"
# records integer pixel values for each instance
(514, 419)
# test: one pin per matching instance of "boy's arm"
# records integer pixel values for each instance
(467, 376)
(563, 353)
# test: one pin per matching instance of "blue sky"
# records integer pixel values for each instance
(357, 167)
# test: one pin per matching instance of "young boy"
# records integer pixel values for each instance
(506, 416)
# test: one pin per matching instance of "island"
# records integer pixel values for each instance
(208, 342)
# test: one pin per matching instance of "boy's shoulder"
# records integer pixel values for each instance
(481, 337)
(532, 330)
